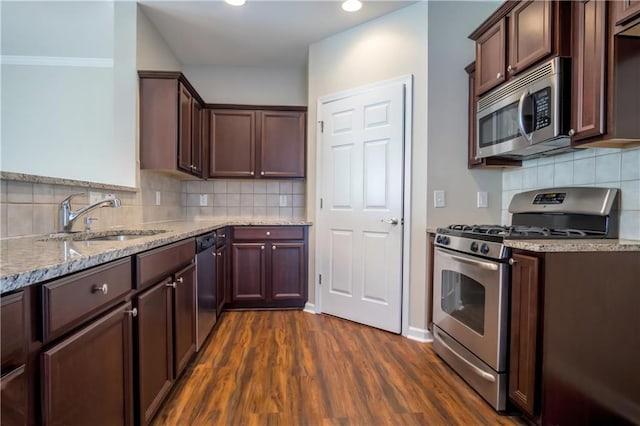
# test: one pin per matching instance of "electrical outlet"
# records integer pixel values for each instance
(95, 197)
(483, 199)
(203, 199)
(438, 198)
(283, 201)
(157, 198)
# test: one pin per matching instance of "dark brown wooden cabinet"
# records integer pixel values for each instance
(269, 267)
(155, 348)
(257, 143)
(222, 270)
(517, 36)
(171, 125)
(472, 161)
(13, 382)
(184, 309)
(13, 397)
(606, 66)
(526, 328)
(626, 10)
(88, 377)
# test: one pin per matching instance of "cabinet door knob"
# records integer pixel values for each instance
(261, 173)
(268, 233)
(273, 247)
(133, 312)
(252, 173)
(171, 284)
(180, 280)
(261, 247)
(512, 261)
(510, 69)
(498, 76)
(104, 289)
(572, 132)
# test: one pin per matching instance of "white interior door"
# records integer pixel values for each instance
(361, 219)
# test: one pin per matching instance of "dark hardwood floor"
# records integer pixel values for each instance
(293, 368)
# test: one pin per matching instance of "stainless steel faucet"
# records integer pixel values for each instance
(67, 216)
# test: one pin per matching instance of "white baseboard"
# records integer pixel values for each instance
(309, 308)
(419, 335)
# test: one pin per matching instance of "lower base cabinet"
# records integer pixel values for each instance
(88, 376)
(13, 398)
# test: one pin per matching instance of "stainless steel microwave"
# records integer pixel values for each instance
(529, 116)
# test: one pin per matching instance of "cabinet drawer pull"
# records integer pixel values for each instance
(104, 289)
(133, 312)
(172, 284)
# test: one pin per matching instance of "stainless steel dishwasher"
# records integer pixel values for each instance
(206, 288)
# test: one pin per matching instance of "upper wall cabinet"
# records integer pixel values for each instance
(517, 36)
(171, 124)
(259, 143)
(606, 66)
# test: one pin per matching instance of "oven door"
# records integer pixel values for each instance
(470, 303)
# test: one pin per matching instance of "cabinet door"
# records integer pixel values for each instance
(248, 272)
(13, 331)
(529, 34)
(13, 394)
(222, 277)
(282, 144)
(288, 276)
(87, 377)
(196, 137)
(184, 317)
(490, 58)
(589, 62)
(155, 348)
(525, 317)
(184, 126)
(232, 143)
(471, 107)
(626, 10)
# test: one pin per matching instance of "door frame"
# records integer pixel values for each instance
(407, 80)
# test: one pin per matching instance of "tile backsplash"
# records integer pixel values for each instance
(600, 167)
(284, 199)
(32, 208)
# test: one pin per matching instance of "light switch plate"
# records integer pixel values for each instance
(157, 198)
(203, 200)
(483, 199)
(438, 199)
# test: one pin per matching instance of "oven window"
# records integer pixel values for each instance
(463, 298)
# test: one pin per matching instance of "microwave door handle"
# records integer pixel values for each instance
(521, 116)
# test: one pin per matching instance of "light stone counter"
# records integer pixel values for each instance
(30, 260)
(574, 245)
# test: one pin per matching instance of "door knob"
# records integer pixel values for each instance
(392, 221)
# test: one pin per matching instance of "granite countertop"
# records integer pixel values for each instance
(30, 260)
(585, 245)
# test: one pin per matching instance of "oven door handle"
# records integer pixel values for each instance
(478, 263)
(488, 377)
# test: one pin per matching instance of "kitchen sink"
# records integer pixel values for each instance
(111, 235)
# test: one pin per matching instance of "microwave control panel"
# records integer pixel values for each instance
(542, 107)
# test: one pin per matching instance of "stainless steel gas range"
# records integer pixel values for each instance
(472, 276)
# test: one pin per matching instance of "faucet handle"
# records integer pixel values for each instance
(68, 199)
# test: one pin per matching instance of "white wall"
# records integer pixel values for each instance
(450, 51)
(63, 99)
(249, 85)
(602, 167)
(387, 47)
(153, 53)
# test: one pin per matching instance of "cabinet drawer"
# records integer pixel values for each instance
(70, 300)
(13, 331)
(268, 233)
(157, 264)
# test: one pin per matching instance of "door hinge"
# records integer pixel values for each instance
(321, 123)
(320, 279)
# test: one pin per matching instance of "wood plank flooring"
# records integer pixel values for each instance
(293, 368)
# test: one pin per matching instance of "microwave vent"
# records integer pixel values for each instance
(516, 85)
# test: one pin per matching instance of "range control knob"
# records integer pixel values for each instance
(474, 246)
(445, 240)
(484, 248)
(439, 239)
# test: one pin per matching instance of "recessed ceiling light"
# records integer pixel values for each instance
(236, 2)
(351, 5)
